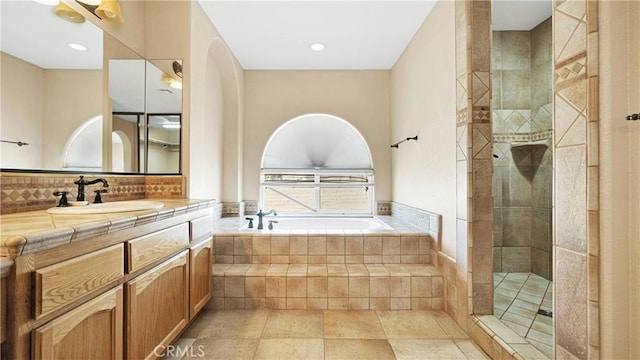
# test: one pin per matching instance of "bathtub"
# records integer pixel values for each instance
(323, 223)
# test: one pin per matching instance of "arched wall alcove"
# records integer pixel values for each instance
(122, 152)
(83, 149)
(317, 141)
(215, 123)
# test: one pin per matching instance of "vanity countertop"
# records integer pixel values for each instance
(28, 232)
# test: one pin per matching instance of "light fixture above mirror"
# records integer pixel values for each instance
(107, 10)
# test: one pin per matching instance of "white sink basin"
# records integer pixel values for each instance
(105, 208)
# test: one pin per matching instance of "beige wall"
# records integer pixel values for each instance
(620, 172)
(214, 105)
(72, 97)
(22, 113)
(39, 110)
(423, 102)
(359, 97)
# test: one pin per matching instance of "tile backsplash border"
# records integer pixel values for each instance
(21, 192)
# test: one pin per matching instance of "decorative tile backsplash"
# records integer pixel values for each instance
(22, 192)
(232, 209)
(383, 207)
(424, 220)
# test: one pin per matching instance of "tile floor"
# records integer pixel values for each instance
(325, 335)
(517, 299)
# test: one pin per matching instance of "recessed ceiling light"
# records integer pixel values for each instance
(317, 47)
(76, 46)
(48, 2)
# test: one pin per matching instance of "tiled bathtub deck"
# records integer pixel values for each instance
(335, 269)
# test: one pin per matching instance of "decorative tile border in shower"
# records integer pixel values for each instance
(21, 192)
(522, 137)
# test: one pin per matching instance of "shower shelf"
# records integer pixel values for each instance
(529, 145)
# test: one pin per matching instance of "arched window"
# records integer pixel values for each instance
(317, 164)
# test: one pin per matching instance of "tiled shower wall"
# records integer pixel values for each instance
(22, 192)
(474, 167)
(522, 178)
(576, 158)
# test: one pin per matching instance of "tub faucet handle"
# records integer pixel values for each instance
(271, 224)
(250, 226)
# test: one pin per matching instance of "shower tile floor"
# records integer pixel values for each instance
(517, 299)
(325, 335)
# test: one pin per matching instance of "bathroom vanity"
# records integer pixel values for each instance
(118, 285)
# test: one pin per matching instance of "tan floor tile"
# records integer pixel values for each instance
(501, 301)
(471, 350)
(542, 327)
(199, 324)
(449, 325)
(526, 305)
(520, 330)
(287, 324)
(352, 349)
(227, 349)
(508, 294)
(413, 324)
(421, 349)
(352, 325)
(183, 347)
(529, 352)
(543, 348)
(502, 329)
(236, 324)
(511, 315)
(271, 349)
(529, 298)
(546, 339)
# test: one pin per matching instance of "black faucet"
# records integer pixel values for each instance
(63, 198)
(261, 214)
(82, 182)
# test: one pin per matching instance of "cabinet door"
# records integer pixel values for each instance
(157, 307)
(90, 331)
(201, 284)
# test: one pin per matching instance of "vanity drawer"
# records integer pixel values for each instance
(201, 228)
(60, 284)
(150, 248)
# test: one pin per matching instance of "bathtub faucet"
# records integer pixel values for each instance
(261, 214)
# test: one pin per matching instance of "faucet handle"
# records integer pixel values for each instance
(250, 226)
(271, 224)
(63, 198)
(98, 198)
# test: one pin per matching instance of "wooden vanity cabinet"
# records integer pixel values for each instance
(157, 303)
(90, 331)
(127, 294)
(201, 275)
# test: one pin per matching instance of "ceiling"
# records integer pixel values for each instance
(32, 32)
(360, 34)
(266, 34)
